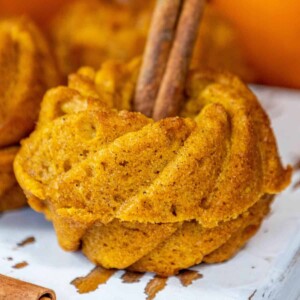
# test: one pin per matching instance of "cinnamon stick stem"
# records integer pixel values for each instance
(170, 93)
(11, 288)
(160, 38)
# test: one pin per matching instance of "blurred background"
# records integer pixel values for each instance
(258, 40)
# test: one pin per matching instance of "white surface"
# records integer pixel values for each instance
(268, 265)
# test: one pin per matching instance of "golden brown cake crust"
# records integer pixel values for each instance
(202, 178)
(192, 244)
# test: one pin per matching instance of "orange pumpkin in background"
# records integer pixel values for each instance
(270, 34)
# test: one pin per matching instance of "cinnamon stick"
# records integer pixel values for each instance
(11, 288)
(167, 57)
(160, 38)
(170, 93)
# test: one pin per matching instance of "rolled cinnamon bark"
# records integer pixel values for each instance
(167, 57)
(160, 39)
(11, 288)
(170, 93)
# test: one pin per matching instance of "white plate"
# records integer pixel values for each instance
(267, 268)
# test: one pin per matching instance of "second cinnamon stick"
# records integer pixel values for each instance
(11, 288)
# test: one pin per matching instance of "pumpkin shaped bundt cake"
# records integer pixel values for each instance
(27, 71)
(144, 195)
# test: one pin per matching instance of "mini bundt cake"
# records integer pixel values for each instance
(27, 71)
(88, 32)
(11, 195)
(144, 195)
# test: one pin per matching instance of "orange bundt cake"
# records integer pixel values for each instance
(27, 71)
(88, 32)
(144, 195)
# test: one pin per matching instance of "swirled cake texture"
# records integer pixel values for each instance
(151, 196)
